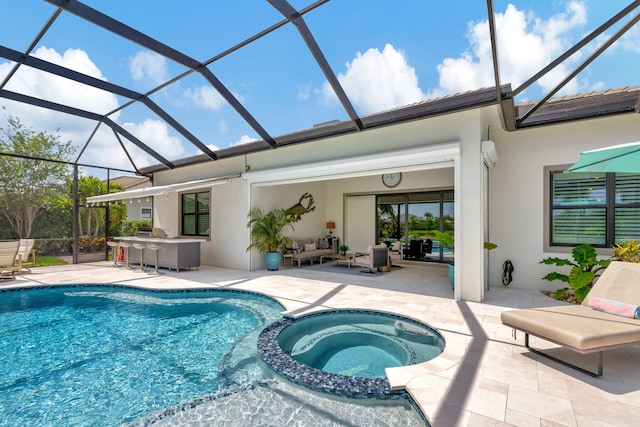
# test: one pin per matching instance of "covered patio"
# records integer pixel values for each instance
(484, 377)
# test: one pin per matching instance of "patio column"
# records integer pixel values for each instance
(470, 193)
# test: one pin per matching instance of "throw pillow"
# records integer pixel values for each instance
(616, 307)
(309, 247)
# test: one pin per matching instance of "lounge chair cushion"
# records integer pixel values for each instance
(577, 326)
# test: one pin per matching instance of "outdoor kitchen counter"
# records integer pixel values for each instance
(176, 253)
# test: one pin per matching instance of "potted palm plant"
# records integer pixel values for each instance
(268, 234)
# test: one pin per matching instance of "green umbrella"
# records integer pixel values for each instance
(618, 158)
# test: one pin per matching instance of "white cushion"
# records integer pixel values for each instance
(309, 247)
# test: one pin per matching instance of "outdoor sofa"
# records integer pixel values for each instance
(307, 250)
(590, 327)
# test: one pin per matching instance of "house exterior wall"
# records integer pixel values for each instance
(516, 190)
(231, 201)
(134, 208)
(504, 204)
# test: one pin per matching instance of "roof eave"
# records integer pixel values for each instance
(418, 111)
(621, 105)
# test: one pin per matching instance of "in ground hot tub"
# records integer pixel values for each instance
(346, 352)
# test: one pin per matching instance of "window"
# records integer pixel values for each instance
(595, 208)
(195, 214)
(145, 213)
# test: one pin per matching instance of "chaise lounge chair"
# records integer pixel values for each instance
(590, 327)
(25, 251)
(8, 253)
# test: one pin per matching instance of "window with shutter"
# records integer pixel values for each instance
(595, 208)
(196, 214)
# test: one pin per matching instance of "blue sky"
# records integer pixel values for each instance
(385, 54)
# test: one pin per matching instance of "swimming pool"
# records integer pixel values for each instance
(110, 355)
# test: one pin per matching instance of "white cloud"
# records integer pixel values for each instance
(47, 86)
(244, 139)
(394, 80)
(155, 134)
(223, 127)
(526, 44)
(630, 41)
(205, 97)
(305, 90)
(50, 87)
(145, 65)
(103, 149)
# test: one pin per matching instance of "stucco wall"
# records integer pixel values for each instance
(516, 200)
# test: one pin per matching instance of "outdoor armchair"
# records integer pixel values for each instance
(376, 256)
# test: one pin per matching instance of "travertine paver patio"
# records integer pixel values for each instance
(484, 378)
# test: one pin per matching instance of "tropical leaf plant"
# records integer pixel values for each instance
(268, 229)
(627, 251)
(585, 268)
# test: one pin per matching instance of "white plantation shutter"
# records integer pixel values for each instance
(627, 210)
(583, 204)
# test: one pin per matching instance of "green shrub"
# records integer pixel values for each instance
(627, 251)
(585, 268)
(133, 226)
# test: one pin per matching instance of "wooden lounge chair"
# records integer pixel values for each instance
(8, 252)
(582, 328)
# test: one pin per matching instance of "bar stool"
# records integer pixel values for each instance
(126, 246)
(141, 247)
(155, 248)
(114, 250)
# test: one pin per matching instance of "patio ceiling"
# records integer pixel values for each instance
(269, 28)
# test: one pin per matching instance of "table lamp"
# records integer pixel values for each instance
(330, 226)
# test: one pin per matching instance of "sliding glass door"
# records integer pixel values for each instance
(412, 218)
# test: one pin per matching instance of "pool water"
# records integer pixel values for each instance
(110, 355)
(96, 356)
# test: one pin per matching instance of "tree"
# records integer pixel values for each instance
(29, 186)
(91, 219)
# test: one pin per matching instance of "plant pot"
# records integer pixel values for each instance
(451, 273)
(273, 260)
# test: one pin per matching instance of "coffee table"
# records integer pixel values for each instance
(338, 258)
